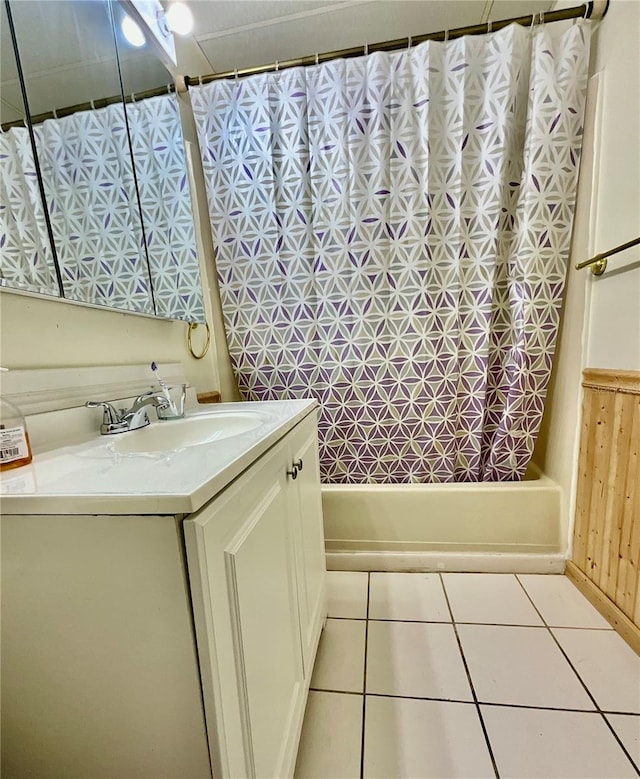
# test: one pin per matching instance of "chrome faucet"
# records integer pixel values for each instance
(121, 421)
(137, 414)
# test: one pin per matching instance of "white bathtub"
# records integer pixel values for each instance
(492, 526)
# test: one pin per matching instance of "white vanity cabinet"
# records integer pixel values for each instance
(256, 562)
(163, 646)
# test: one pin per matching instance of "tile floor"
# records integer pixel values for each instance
(469, 675)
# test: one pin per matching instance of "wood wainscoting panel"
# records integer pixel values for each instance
(606, 545)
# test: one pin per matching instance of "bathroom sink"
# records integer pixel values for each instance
(183, 433)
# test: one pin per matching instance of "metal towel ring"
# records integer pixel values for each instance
(192, 326)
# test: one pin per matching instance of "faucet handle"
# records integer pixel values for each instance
(110, 414)
(152, 393)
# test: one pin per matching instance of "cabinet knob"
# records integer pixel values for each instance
(298, 464)
(293, 472)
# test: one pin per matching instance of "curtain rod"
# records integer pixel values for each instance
(599, 262)
(595, 9)
(101, 102)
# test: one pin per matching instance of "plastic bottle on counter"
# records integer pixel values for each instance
(15, 448)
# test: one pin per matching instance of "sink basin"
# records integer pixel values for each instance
(183, 433)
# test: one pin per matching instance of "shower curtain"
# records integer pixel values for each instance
(391, 238)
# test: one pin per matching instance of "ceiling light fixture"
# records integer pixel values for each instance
(132, 32)
(180, 18)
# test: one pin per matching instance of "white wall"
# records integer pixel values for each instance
(613, 324)
(190, 61)
(213, 306)
(48, 333)
(601, 317)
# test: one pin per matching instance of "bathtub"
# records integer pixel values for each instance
(493, 526)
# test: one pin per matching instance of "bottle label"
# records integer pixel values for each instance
(13, 444)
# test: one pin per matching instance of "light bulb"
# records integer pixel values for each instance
(180, 18)
(132, 32)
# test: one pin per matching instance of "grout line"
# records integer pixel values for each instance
(624, 713)
(461, 622)
(473, 703)
(573, 668)
(334, 692)
(364, 678)
(473, 692)
(537, 708)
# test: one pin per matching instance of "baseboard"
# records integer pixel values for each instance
(614, 616)
(469, 562)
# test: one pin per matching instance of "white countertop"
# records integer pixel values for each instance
(92, 478)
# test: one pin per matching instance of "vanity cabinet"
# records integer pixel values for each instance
(256, 557)
(167, 645)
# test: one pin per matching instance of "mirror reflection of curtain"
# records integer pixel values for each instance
(392, 234)
(163, 185)
(26, 259)
(90, 194)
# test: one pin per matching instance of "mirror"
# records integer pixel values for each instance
(122, 227)
(163, 183)
(27, 258)
(68, 57)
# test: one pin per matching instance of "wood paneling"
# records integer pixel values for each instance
(617, 381)
(606, 545)
(209, 397)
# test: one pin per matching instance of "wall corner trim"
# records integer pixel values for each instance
(614, 615)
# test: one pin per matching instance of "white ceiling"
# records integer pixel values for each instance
(232, 35)
(68, 52)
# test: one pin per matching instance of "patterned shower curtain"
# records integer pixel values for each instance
(392, 235)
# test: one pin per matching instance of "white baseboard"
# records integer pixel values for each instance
(470, 562)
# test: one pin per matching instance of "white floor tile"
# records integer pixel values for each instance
(489, 598)
(412, 738)
(534, 743)
(331, 740)
(561, 603)
(606, 664)
(340, 660)
(408, 596)
(627, 726)
(520, 665)
(417, 659)
(347, 594)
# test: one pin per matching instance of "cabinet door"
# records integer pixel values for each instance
(306, 517)
(242, 571)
